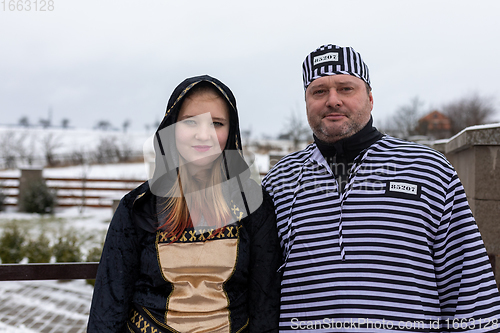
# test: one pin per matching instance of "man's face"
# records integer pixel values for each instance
(338, 106)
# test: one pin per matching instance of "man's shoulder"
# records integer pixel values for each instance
(389, 143)
(394, 148)
(292, 160)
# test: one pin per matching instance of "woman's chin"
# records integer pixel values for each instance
(201, 164)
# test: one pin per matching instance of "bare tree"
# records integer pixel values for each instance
(404, 122)
(24, 121)
(65, 123)
(469, 111)
(124, 151)
(126, 125)
(296, 129)
(80, 156)
(8, 149)
(26, 150)
(14, 149)
(107, 150)
(103, 125)
(45, 123)
(50, 143)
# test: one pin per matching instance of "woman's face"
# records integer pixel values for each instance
(202, 129)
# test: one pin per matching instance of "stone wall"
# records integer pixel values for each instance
(475, 154)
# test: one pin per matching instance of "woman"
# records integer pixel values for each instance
(195, 248)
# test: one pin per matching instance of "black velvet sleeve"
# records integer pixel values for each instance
(116, 275)
(264, 279)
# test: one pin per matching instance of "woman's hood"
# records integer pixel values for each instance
(238, 187)
(177, 97)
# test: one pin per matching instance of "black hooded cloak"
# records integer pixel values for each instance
(198, 283)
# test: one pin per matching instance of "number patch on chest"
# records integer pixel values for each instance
(402, 189)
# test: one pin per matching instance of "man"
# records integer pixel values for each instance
(376, 232)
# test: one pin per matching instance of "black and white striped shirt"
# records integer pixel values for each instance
(397, 250)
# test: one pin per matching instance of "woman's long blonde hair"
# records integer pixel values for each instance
(191, 199)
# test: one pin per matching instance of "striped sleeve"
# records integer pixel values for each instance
(463, 271)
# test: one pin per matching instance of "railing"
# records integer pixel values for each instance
(57, 271)
(79, 192)
(65, 271)
(70, 192)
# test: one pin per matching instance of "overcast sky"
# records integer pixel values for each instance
(89, 60)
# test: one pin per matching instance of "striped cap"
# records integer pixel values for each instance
(331, 60)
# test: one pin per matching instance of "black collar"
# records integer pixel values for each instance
(350, 147)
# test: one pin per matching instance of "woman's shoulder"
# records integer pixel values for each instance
(141, 192)
(139, 206)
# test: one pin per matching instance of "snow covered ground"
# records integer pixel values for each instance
(113, 171)
(51, 306)
(44, 306)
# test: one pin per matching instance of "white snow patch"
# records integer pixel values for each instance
(14, 329)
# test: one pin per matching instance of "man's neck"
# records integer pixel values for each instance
(341, 154)
(350, 147)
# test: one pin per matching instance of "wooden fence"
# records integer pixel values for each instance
(81, 192)
(70, 192)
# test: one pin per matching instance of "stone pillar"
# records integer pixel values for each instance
(115, 204)
(475, 154)
(28, 176)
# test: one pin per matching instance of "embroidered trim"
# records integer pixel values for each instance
(194, 235)
(229, 278)
(244, 326)
(146, 323)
